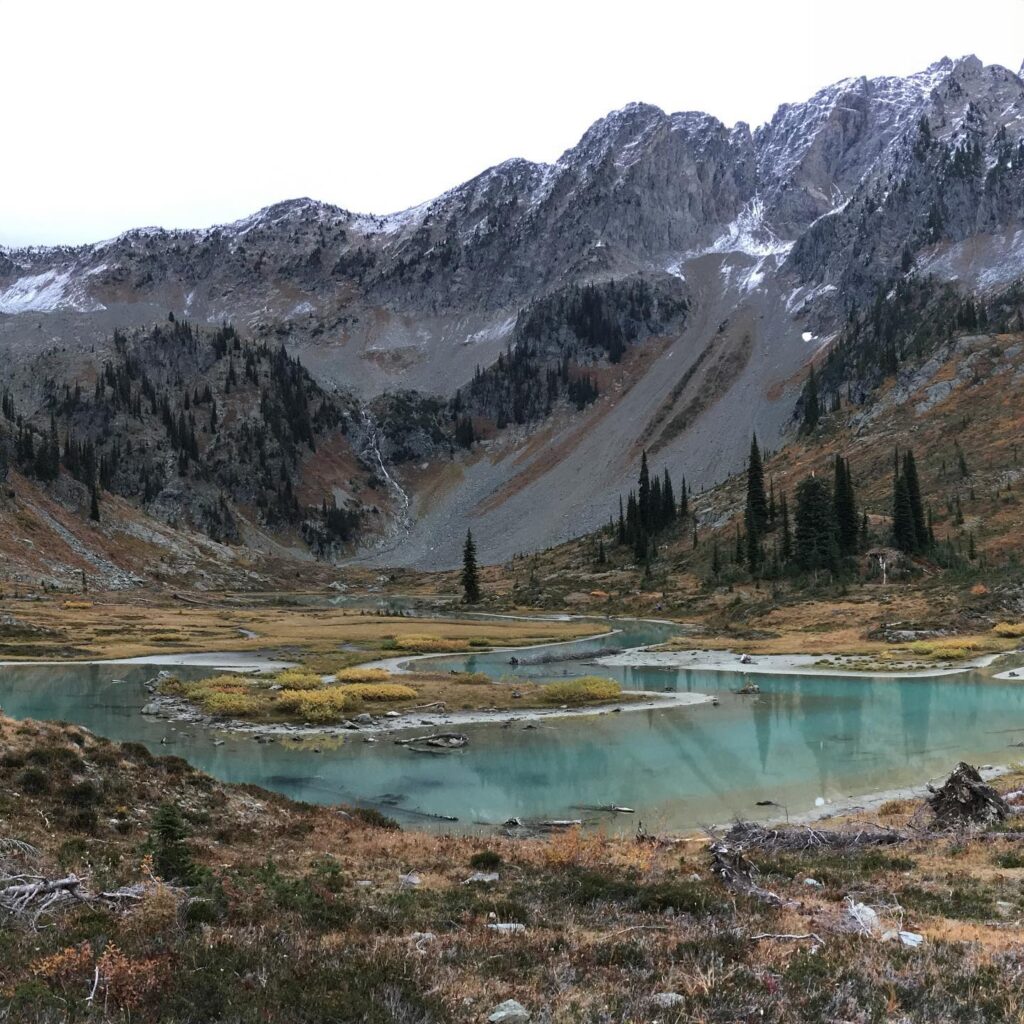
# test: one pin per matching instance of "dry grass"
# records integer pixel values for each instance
(114, 628)
(276, 928)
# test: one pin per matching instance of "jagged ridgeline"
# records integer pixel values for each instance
(559, 340)
(200, 429)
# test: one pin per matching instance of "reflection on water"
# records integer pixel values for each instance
(803, 737)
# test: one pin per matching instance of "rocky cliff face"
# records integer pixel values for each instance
(770, 236)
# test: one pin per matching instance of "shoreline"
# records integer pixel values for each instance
(177, 709)
(871, 802)
(776, 664)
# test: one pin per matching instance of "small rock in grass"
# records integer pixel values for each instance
(509, 1012)
(483, 877)
(508, 928)
(862, 918)
(814, 883)
(410, 880)
(666, 1000)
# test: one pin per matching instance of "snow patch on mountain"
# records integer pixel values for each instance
(45, 293)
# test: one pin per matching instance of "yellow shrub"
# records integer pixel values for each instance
(946, 649)
(1008, 629)
(380, 691)
(298, 679)
(233, 704)
(424, 644)
(586, 690)
(217, 684)
(362, 675)
(471, 678)
(325, 705)
(77, 604)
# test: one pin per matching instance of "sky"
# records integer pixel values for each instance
(127, 113)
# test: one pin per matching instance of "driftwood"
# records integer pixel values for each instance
(27, 901)
(643, 836)
(964, 799)
(729, 864)
(747, 835)
(607, 808)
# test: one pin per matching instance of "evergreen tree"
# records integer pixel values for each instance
(643, 494)
(668, 502)
(816, 543)
(716, 559)
(172, 860)
(470, 573)
(786, 541)
(756, 513)
(94, 504)
(812, 405)
(903, 533)
(916, 505)
(684, 501)
(847, 523)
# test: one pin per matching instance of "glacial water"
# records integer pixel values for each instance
(805, 737)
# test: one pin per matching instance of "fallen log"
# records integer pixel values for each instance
(748, 835)
(737, 873)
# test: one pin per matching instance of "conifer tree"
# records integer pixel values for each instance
(786, 541)
(643, 496)
(756, 513)
(916, 505)
(903, 533)
(816, 543)
(668, 501)
(847, 523)
(812, 405)
(470, 573)
(684, 501)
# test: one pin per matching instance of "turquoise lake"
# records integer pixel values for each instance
(804, 737)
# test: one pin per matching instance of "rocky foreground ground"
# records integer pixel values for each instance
(135, 888)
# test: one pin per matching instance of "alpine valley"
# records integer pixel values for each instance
(308, 386)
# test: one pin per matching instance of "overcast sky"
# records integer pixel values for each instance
(123, 114)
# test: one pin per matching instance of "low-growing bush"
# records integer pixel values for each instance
(77, 604)
(485, 860)
(362, 675)
(324, 705)
(1009, 630)
(33, 781)
(945, 650)
(298, 679)
(380, 691)
(586, 690)
(423, 644)
(471, 678)
(237, 704)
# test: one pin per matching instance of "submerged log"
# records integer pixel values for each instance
(442, 740)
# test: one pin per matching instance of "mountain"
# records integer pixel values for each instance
(513, 344)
